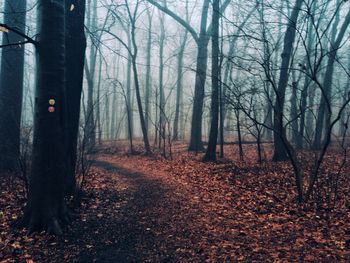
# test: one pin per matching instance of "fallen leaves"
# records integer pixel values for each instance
(155, 210)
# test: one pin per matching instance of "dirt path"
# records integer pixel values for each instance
(147, 223)
(162, 215)
(140, 209)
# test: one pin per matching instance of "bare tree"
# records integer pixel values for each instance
(210, 154)
(279, 150)
(202, 39)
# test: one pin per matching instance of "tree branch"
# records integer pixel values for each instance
(177, 18)
(16, 31)
(14, 44)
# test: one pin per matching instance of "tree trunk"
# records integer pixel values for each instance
(137, 85)
(279, 130)
(107, 118)
(267, 68)
(196, 143)
(324, 112)
(11, 86)
(161, 78)
(90, 126)
(303, 107)
(45, 208)
(221, 111)
(230, 55)
(239, 133)
(294, 111)
(179, 87)
(89, 133)
(310, 122)
(75, 54)
(130, 119)
(202, 41)
(112, 130)
(306, 87)
(148, 70)
(269, 112)
(344, 118)
(210, 154)
(97, 103)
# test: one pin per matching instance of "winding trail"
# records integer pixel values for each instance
(148, 221)
(144, 210)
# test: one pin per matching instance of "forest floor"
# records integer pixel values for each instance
(149, 209)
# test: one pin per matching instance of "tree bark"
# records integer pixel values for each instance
(90, 66)
(148, 70)
(239, 134)
(136, 79)
(130, 119)
(210, 154)
(179, 85)
(279, 130)
(112, 130)
(306, 87)
(45, 208)
(161, 128)
(97, 103)
(196, 143)
(75, 55)
(324, 113)
(179, 88)
(294, 111)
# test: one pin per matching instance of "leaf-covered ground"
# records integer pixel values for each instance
(142, 209)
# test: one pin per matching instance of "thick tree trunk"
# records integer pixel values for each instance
(210, 154)
(279, 130)
(45, 208)
(75, 54)
(196, 143)
(11, 86)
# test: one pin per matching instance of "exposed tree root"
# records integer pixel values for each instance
(51, 220)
